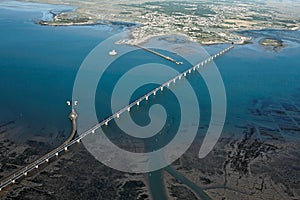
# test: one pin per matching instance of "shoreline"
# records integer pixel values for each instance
(244, 40)
(64, 8)
(88, 20)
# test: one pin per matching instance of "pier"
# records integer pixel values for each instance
(159, 54)
(12, 179)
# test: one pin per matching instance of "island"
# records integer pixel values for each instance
(272, 42)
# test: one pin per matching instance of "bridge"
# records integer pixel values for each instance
(11, 179)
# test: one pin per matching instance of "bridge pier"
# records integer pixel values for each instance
(73, 116)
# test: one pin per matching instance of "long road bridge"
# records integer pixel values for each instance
(11, 179)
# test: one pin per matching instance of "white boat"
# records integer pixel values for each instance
(113, 53)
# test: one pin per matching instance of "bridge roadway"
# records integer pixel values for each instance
(11, 179)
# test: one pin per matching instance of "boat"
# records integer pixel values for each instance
(113, 53)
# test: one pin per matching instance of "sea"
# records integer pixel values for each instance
(38, 67)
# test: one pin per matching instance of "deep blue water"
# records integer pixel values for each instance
(38, 68)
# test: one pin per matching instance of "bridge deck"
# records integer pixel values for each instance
(70, 141)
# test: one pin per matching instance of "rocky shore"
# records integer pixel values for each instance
(262, 164)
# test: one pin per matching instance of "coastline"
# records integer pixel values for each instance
(137, 34)
(63, 8)
(222, 30)
(132, 40)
